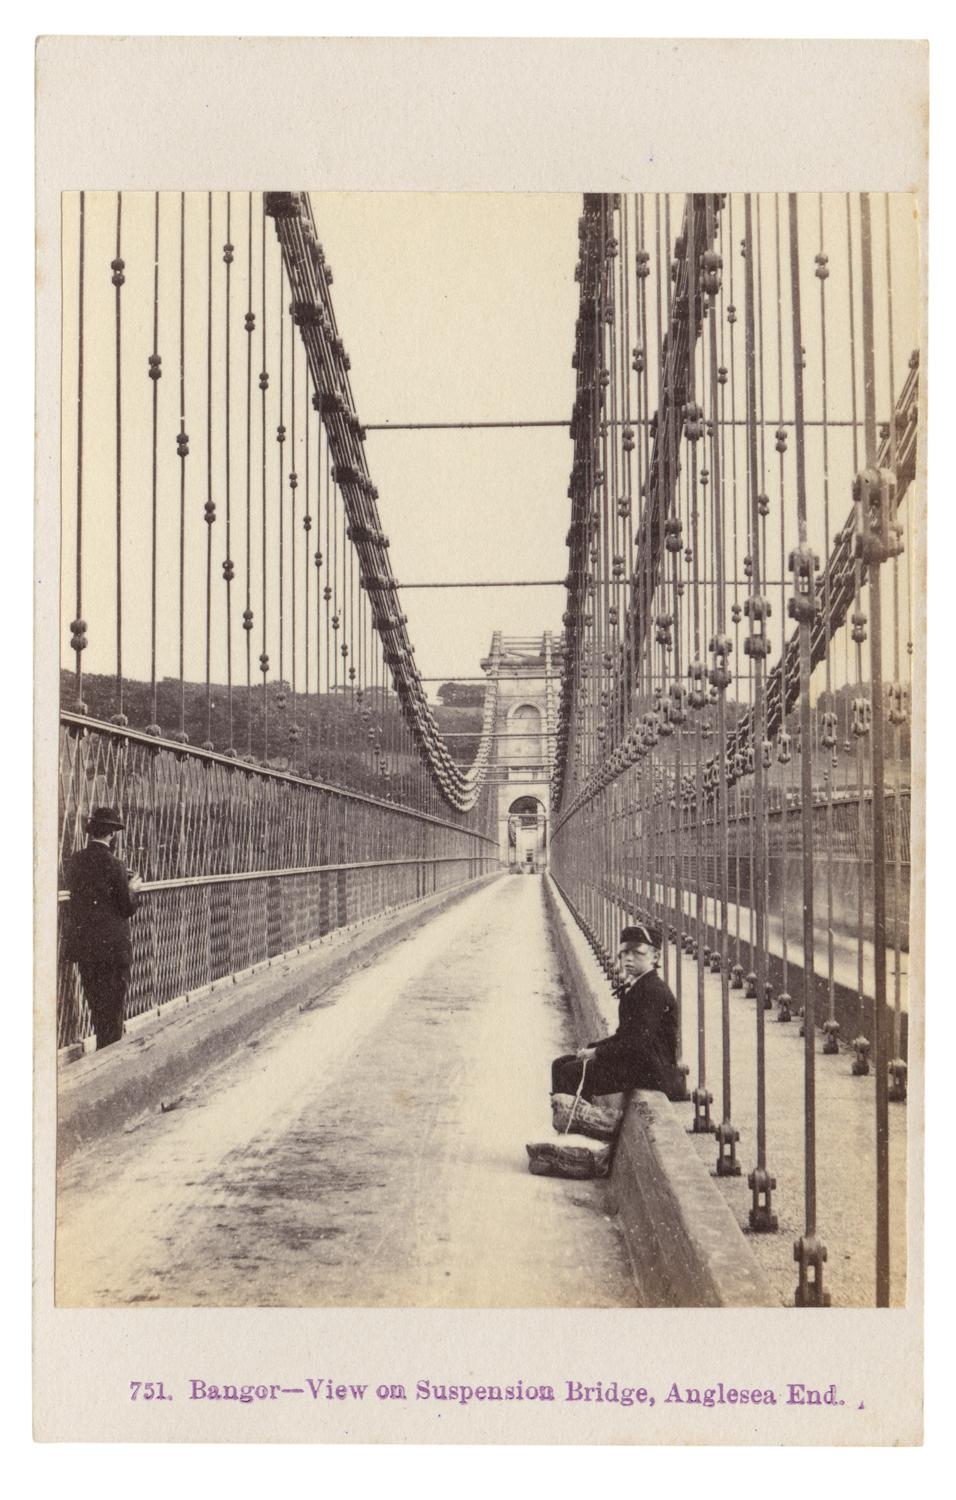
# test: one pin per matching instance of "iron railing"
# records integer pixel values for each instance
(725, 417)
(242, 864)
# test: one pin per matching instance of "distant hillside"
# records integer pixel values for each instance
(338, 748)
(465, 722)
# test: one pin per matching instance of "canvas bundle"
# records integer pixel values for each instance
(569, 1113)
(571, 1156)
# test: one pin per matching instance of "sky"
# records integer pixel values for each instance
(452, 307)
(461, 308)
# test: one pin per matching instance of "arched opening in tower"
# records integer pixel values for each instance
(527, 836)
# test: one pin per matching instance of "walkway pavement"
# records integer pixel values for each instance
(846, 1150)
(368, 1151)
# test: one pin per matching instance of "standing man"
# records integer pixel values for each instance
(642, 1053)
(103, 897)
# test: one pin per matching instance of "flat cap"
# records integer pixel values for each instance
(641, 933)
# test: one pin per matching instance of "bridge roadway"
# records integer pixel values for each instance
(368, 1151)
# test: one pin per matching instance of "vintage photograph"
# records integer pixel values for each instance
(488, 826)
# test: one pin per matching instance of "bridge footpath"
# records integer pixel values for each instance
(367, 1150)
(364, 1145)
(846, 1145)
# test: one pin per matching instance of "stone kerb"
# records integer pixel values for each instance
(685, 1246)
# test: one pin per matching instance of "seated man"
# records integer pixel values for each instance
(642, 1053)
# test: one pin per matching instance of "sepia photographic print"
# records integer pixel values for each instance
(485, 793)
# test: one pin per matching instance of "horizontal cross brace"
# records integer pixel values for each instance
(768, 421)
(491, 583)
(503, 672)
(453, 426)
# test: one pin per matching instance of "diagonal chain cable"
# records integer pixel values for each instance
(839, 581)
(662, 475)
(310, 279)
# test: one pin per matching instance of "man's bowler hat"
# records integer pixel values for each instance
(104, 820)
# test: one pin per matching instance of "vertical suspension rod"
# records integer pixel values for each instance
(803, 606)
(878, 783)
(761, 1182)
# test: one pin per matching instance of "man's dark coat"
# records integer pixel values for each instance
(96, 920)
(642, 1053)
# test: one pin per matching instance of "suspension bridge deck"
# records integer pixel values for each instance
(368, 1152)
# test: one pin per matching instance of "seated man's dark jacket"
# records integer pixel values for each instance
(643, 1050)
(96, 921)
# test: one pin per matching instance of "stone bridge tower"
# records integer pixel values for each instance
(525, 731)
